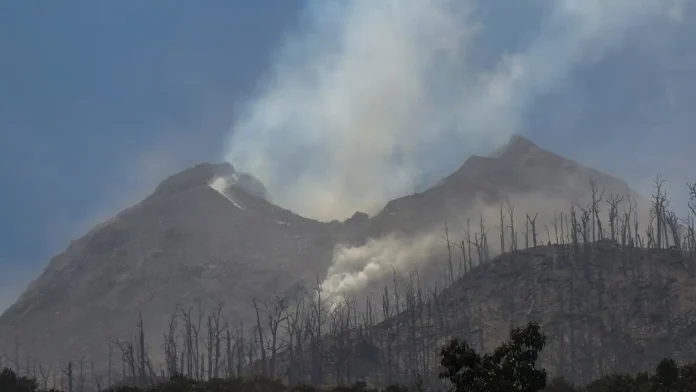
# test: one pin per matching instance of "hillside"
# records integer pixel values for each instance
(605, 308)
(189, 244)
(183, 244)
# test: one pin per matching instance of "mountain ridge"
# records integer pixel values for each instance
(190, 243)
(517, 168)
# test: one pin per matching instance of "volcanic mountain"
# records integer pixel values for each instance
(211, 234)
(533, 179)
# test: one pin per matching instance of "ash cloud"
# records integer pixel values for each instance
(359, 102)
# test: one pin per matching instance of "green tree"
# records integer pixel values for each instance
(666, 375)
(510, 368)
(10, 382)
(687, 378)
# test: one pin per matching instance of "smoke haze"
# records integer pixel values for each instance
(358, 102)
(356, 271)
(354, 268)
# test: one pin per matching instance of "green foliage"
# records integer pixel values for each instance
(666, 374)
(10, 382)
(510, 368)
(668, 377)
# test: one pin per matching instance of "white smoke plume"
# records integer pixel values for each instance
(362, 100)
(221, 184)
(354, 268)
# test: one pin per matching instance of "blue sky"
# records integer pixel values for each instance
(99, 101)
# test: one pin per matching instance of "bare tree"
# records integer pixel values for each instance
(690, 221)
(672, 223)
(316, 319)
(187, 338)
(128, 358)
(449, 254)
(484, 254)
(275, 316)
(45, 374)
(196, 328)
(294, 333)
(613, 201)
(213, 341)
(16, 358)
(658, 209)
(171, 346)
(109, 366)
(229, 354)
(532, 222)
(142, 362)
(559, 239)
(240, 347)
(513, 238)
(585, 217)
(68, 371)
(462, 246)
(502, 228)
(597, 197)
(259, 331)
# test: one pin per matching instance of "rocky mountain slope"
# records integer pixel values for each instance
(533, 179)
(605, 308)
(190, 243)
(183, 244)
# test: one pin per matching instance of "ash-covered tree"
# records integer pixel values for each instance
(511, 367)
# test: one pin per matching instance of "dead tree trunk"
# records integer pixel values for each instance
(259, 329)
(513, 238)
(613, 201)
(597, 197)
(275, 316)
(502, 229)
(141, 351)
(532, 222)
(658, 204)
(449, 254)
(69, 373)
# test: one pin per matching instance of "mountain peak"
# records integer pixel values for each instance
(204, 173)
(518, 145)
(199, 175)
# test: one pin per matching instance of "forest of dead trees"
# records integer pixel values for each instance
(311, 339)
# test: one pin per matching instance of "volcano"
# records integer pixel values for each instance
(210, 234)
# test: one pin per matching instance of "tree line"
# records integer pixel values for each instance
(511, 367)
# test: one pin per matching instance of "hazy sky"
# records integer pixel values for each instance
(101, 100)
